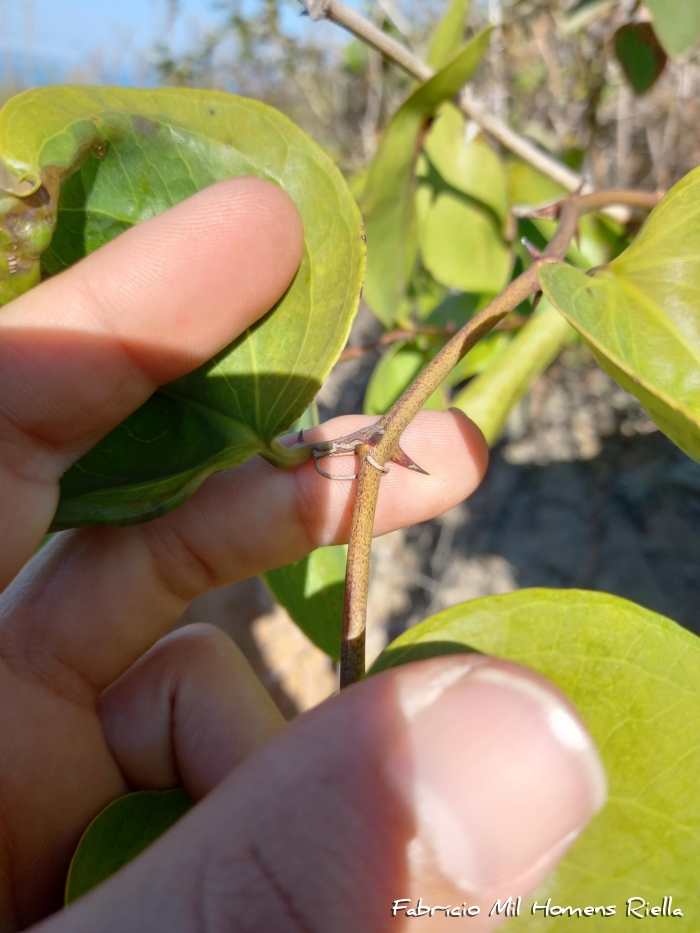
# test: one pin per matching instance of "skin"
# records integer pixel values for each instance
(316, 825)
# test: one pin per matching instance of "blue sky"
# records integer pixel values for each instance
(45, 40)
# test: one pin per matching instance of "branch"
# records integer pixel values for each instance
(338, 12)
(379, 443)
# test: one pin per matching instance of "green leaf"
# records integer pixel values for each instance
(455, 310)
(110, 157)
(640, 54)
(677, 23)
(449, 35)
(395, 371)
(462, 205)
(635, 678)
(117, 835)
(387, 197)
(466, 163)
(640, 314)
(460, 244)
(311, 590)
(489, 398)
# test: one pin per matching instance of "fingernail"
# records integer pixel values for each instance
(502, 773)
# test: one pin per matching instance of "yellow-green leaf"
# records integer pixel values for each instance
(466, 163)
(387, 196)
(107, 158)
(449, 35)
(677, 23)
(461, 205)
(635, 678)
(640, 314)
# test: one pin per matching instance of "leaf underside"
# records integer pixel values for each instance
(108, 158)
(119, 833)
(640, 314)
(634, 676)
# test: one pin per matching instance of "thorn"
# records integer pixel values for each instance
(402, 458)
(532, 250)
(536, 300)
(300, 437)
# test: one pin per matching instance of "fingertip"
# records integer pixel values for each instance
(474, 446)
(452, 449)
(251, 242)
(275, 213)
(522, 778)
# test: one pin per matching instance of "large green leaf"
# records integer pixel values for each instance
(641, 313)
(489, 398)
(449, 35)
(635, 678)
(461, 205)
(677, 23)
(108, 158)
(118, 834)
(312, 592)
(387, 197)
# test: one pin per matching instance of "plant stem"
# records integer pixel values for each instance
(393, 424)
(352, 652)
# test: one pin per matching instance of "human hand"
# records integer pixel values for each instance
(459, 779)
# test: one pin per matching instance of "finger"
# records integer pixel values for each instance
(459, 781)
(92, 602)
(83, 350)
(187, 713)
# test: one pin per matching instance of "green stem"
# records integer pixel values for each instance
(287, 457)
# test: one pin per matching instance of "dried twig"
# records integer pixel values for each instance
(338, 12)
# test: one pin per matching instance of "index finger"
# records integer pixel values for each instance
(83, 350)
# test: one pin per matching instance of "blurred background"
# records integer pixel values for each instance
(583, 491)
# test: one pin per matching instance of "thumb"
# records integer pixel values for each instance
(458, 780)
